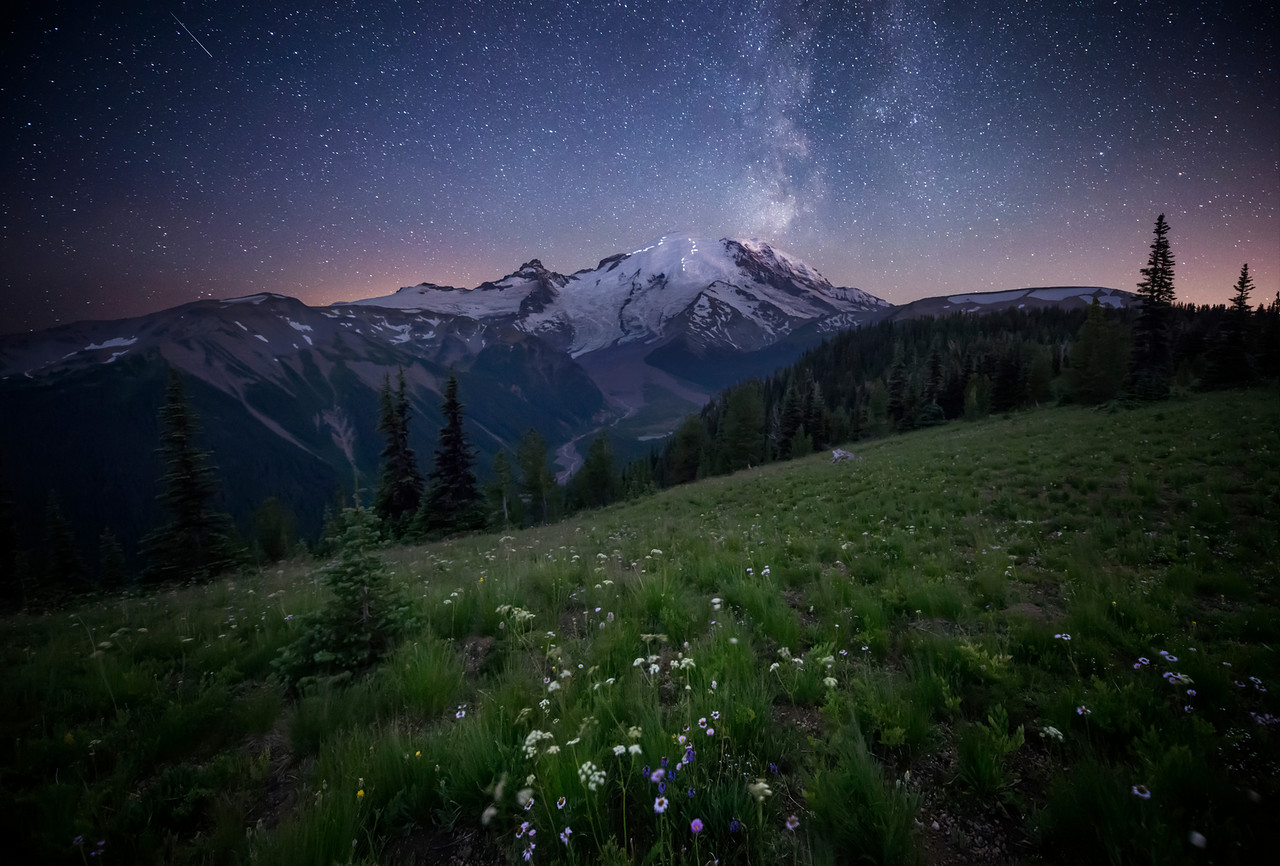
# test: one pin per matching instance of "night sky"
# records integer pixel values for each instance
(156, 153)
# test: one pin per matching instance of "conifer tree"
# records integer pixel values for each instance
(452, 505)
(537, 482)
(1097, 360)
(110, 562)
(498, 494)
(400, 487)
(1229, 360)
(362, 620)
(597, 483)
(1152, 357)
(195, 541)
(63, 568)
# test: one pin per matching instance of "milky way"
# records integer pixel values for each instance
(160, 155)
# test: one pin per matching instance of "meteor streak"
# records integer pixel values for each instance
(192, 35)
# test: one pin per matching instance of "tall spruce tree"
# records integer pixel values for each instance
(1152, 357)
(194, 542)
(400, 486)
(537, 481)
(453, 503)
(1230, 360)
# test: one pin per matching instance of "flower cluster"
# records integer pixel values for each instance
(591, 775)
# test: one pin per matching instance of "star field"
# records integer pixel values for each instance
(162, 154)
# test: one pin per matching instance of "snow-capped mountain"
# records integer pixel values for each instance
(717, 295)
(289, 393)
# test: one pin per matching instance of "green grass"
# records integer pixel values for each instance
(879, 647)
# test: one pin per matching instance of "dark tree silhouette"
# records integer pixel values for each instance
(1152, 360)
(453, 503)
(400, 486)
(195, 541)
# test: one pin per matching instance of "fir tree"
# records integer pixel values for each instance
(362, 620)
(1152, 358)
(498, 494)
(1229, 360)
(452, 505)
(111, 567)
(1097, 359)
(195, 541)
(400, 487)
(537, 482)
(63, 568)
(597, 483)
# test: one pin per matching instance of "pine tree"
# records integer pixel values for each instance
(597, 483)
(63, 568)
(741, 440)
(1097, 359)
(400, 487)
(1229, 359)
(111, 567)
(195, 541)
(498, 493)
(1243, 287)
(537, 483)
(362, 620)
(453, 503)
(1152, 358)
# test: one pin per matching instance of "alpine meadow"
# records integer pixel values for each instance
(1039, 637)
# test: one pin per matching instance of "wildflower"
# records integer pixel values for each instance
(792, 822)
(691, 792)
(78, 841)
(619, 750)
(1063, 636)
(638, 662)
(660, 805)
(702, 722)
(656, 775)
(524, 826)
(560, 803)
(829, 682)
(360, 794)
(591, 775)
(528, 852)
(565, 834)
(488, 814)
(711, 732)
(460, 714)
(734, 825)
(759, 789)
(773, 768)
(554, 686)
(1082, 710)
(1197, 839)
(696, 825)
(1142, 792)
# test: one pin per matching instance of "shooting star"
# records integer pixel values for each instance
(192, 35)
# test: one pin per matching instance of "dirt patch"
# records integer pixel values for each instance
(461, 847)
(475, 652)
(285, 777)
(808, 720)
(958, 828)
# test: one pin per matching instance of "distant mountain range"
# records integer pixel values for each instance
(288, 394)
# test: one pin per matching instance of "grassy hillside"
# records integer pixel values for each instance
(1044, 637)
